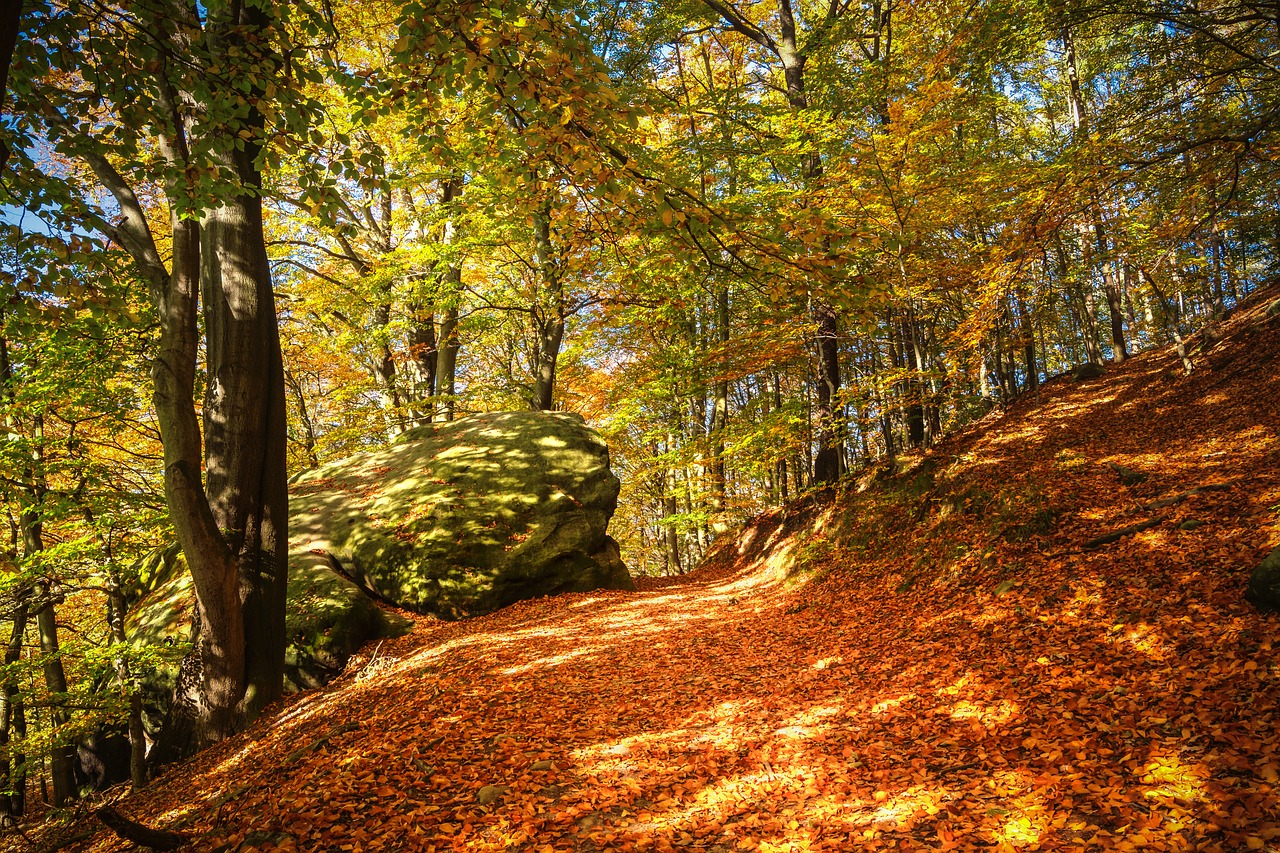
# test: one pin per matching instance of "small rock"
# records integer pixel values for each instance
(1191, 524)
(490, 794)
(540, 765)
(1088, 370)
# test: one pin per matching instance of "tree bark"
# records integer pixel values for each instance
(720, 413)
(10, 23)
(1110, 284)
(548, 313)
(13, 718)
(62, 753)
(447, 340)
(829, 460)
(245, 443)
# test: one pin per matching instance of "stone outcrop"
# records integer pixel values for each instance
(462, 518)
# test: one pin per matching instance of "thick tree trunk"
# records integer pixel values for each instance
(828, 463)
(232, 527)
(447, 365)
(244, 422)
(550, 333)
(1111, 288)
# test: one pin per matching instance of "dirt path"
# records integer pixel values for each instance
(705, 716)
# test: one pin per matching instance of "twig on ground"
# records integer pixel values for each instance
(130, 830)
(1116, 535)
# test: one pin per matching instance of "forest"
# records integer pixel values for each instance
(765, 248)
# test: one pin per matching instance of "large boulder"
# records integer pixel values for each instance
(462, 518)
(1264, 583)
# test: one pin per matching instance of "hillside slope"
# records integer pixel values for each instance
(956, 670)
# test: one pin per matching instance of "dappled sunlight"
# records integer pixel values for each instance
(1173, 783)
(890, 704)
(990, 715)
(870, 673)
(1144, 639)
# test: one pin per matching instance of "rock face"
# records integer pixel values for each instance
(462, 518)
(1264, 583)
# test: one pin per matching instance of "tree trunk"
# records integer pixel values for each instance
(720, 413)
(782, 459)
(450, 290)
(244, 423)
(548, 313)
(116, 608)
(13, 718)
(447, 365)
(62, 753)
(1111, 289)
(384, 373)
(233, 527)
(423, 353)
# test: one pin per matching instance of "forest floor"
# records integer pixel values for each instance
(930, 659)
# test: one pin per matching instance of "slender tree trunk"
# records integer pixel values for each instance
(548, 314)
(423, 353)
(62, 752)
(1079, 121)
(447, 340)
(384, 373)
(116, 609)
(13, 718)
(828, 459)
(670, 508)
(782, 459)
(720, 412)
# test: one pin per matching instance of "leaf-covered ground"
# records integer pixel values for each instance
(931, 660)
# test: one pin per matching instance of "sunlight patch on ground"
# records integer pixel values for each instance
(1171, 782)
(954, 689)
(549, 662)
(889, 704)
(994, 714)
(1143, 638)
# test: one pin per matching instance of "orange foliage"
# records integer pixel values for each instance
(1019, 693)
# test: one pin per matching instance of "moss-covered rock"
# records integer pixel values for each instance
(462, 518)
(1264, 583)
(1088, 370)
